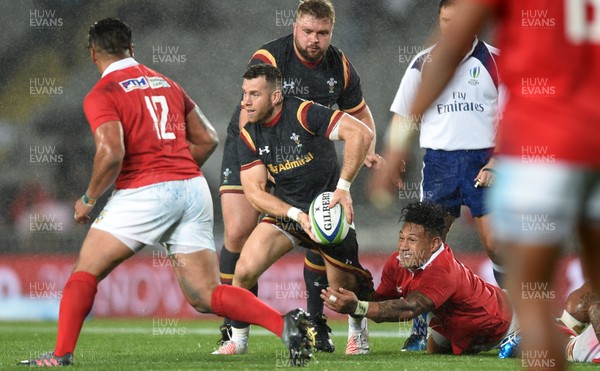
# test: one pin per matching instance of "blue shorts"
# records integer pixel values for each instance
(449, 179)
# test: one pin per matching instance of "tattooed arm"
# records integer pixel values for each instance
(395, 310)
(400, 309)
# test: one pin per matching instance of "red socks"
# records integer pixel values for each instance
(227, 301)
(241, 305)
(75, 304)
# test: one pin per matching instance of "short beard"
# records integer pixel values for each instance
(268, 114)
(305, 55)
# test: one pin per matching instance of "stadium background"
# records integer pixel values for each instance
(46, 148)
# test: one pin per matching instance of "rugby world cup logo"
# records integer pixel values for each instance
(474, 73)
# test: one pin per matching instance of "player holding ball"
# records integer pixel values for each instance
(292, 141)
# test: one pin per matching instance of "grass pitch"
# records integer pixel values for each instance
(170, 344)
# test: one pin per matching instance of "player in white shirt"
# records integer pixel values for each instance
(458, 133)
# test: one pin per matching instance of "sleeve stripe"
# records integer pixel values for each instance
(346, 71)
(313, 266)
(265, 56)
(361, 106)
(250, 165)
(344, 266)
(337, 115)
(302, 113)
(247, 139)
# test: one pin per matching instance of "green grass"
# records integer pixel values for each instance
(144, 344)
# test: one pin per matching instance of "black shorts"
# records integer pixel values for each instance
(343, 255)
(230, 166)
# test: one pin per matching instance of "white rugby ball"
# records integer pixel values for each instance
(328, 225)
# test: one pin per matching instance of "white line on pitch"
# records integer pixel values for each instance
(191, 331)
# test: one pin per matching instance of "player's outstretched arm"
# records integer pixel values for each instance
(201, 136)
(110, 151)
(357, 138)
(372, 160)
(254, 183)
(344, 301)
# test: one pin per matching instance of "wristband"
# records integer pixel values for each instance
(361, 308)
(87, 200)
(400, 133)
(293, 213)
(343, 184)
(488, 169)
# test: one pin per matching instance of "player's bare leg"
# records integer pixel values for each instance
(449, 219)
(265, 245)
(486, 236)
(529, 287)
(198, 278)
(100, 253)
(239, 219)
(358, 331)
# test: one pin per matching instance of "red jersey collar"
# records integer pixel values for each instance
(120, 65)
(274, 120)
(431, 259)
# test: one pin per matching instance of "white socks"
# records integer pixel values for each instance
(240, 335)
(357, 324)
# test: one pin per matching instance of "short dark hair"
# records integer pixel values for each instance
(428, 214)
(270, 72)
(111, 35)
(445, 3)
(319, 9)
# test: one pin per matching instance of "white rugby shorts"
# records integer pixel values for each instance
(541, 202)
(177, 214)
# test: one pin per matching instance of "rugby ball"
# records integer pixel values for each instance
(328, 225)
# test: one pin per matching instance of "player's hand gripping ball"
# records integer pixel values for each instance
(328, 225)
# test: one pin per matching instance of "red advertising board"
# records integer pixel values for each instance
(146, 286)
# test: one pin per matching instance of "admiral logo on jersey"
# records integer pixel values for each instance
(290, 164)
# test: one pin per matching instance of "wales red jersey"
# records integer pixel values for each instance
(152, 110)
(468, 311)
(549, 63)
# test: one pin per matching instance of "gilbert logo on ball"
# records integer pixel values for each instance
(328, 225)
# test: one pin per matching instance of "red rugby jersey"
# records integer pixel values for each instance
(152, 110)
(468, 309)
(549, 63)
